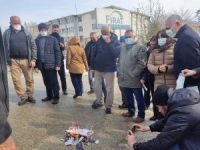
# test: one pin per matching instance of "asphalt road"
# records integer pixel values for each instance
(40, 126)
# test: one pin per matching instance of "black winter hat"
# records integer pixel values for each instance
(42, 26)
(160, 96)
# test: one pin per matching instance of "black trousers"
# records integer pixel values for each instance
(61, 73)
(77, 83)
(51, 82)
(123, 94)
(149, 83)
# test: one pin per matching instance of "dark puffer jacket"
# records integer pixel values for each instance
(180, 126)
(52, 55)
(104, 56)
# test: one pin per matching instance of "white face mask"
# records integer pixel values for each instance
(162, 41)
(17, 27)
(43, 33)
(104, 36)
(170, 33)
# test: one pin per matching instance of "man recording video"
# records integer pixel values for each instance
(179, 129)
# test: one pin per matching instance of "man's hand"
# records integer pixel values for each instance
(141, 128)
(62, 45)
(188, 73)
(142, 81)
(57, 68)
(9, 144)
(163, 68)
(131, 139)
(32, 64)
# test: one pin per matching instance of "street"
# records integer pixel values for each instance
(40, 126)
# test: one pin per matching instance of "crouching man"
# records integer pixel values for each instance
(179, 129)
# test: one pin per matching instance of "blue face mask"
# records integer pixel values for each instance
(170, 33)
(162, 41)
(129, 41)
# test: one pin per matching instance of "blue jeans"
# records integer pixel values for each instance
(77, 83)
(139, 98)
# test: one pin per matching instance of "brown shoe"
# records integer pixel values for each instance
(138, 119)
(127, 114)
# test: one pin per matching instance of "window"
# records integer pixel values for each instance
(79, 19)
(81, 38)
(80, 29)
(58, 21)
(94, 26)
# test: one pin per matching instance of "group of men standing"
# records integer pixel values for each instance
(106, 56)
(24, 54)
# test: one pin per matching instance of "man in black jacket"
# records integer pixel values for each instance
(61, 42)
(6, 142)
(180, 128)
(49, 62)
(187, 48)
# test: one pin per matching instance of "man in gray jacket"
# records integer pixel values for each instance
(6, 142)
(21, 56)
(132, 62)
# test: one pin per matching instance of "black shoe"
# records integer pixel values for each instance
(31, 100)
(75, 96)
(46, 99)
(65, 93)
(55, 101)
(90, 92)
(123, 106)
(146, 107)
(154, 118)
(108, 111)
(96, 105)
(22, 102)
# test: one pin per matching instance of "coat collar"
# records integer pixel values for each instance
(182, 29)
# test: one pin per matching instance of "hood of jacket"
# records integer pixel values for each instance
(75, 41)
(183, 97)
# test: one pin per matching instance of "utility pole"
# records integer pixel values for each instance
(76, 6)
(76, 19)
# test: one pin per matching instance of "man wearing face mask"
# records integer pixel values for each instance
(104, 64)
(61, 72)
(49, 62)
(187, 48)
(132, 62)
(21, 57)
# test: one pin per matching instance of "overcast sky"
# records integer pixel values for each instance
(43, 10)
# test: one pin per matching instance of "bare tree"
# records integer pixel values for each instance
(198, 15)
(32, 28)
(157, 14)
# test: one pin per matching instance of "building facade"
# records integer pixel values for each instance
(117, 18)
